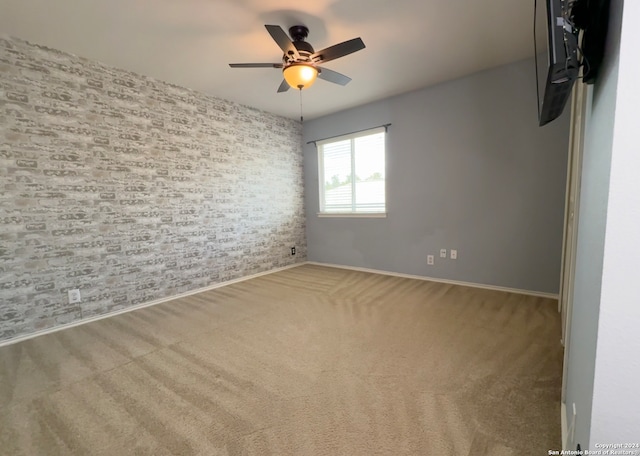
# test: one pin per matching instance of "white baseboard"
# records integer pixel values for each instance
(253, 276)
(433, 279)
(83, 321)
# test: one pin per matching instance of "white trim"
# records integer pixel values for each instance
(563, 425)
(353, 214)
(582, 99)
(142, 306)
(259, 274)
(538, 294)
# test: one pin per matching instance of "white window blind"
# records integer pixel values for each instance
(352, 173)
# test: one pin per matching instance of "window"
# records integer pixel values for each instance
(352, 174)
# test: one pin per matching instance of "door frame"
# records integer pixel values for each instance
(580, 109)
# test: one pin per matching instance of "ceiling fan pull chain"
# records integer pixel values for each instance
(301, 118)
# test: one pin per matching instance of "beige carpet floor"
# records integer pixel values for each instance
(307, 361)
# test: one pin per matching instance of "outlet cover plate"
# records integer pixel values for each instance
(74, 296)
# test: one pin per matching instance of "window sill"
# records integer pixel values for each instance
(353, 214)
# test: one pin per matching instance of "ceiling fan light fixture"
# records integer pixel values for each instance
(300, 75)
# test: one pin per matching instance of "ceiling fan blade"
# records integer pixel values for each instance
(283, 87)
(338, 50)
(333, 76)
(255, 65)
(283, 40)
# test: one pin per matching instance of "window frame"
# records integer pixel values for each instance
(321, 177)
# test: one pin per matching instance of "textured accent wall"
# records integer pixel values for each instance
(131, 189)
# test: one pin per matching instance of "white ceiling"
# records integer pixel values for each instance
(410, 43)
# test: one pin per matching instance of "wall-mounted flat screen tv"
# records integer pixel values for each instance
(575, 32)
(563, 66)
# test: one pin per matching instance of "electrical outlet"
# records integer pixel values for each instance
(443, 253)
(454, 254)
(293, 250)
(430, 259)
(74, 296)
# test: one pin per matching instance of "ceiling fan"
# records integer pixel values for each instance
(300, 63)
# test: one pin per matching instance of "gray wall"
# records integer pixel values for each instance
(603, 362)
(594, 191)
(131, 189)
(616, 390)
(467, 168)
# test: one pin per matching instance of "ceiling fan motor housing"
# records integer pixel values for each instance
(298, 35)
(298, 32)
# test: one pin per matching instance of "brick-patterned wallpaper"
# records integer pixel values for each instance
(131, 189)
